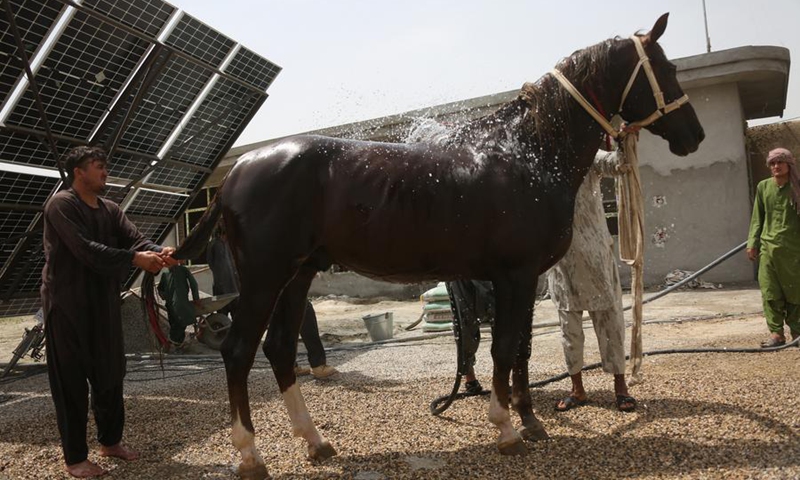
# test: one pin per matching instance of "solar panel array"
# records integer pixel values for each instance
(165, 92)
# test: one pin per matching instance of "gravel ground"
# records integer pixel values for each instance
(700, 415)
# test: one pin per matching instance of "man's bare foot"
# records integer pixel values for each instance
(85, 469)
(119, 451)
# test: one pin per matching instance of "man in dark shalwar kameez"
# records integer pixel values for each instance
(89, 248)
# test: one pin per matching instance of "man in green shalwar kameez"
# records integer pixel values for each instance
(775, 240)
(174, 289)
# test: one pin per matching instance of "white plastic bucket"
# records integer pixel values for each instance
(380, 326)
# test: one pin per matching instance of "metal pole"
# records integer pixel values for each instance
(705, 19)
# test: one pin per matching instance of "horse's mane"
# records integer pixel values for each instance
(533, 121)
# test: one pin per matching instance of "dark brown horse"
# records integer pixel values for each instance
(494, 202)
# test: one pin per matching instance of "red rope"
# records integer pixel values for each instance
(153, 318)
(599, 107)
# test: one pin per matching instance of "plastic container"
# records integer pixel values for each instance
(380, 326)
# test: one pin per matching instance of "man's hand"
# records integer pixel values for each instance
(752, 254)
(148, 261)
(623, 167)
(166, 255)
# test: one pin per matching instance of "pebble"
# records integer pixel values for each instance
(699, 416)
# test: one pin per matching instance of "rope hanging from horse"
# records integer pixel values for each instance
(631, 242)
(629, 188)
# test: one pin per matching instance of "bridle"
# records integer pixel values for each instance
(661, 108)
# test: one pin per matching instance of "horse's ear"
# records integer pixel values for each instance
(658, 29)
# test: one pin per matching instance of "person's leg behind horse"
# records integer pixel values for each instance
(309, 334)
(280, 347)
(609, 327)
(572, 343)
(462, 305)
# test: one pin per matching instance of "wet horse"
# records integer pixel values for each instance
(493, 202)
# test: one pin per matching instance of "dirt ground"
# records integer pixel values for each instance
(340, 318)
(700, 415)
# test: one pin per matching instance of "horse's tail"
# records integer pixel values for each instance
(194, 244)
(191, 247)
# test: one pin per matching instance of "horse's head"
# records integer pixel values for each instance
(653, 98)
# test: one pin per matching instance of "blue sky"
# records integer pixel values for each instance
(352, 60)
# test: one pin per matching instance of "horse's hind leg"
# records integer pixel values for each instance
(513, 319)
(238, 352)
(280, 348)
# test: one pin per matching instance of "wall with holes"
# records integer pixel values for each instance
(698, 207)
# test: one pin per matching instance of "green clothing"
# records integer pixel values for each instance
(174, 289)
(775, 233)
(778, 311)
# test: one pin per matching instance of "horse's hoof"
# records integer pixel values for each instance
(533, 434)
(253, 472)
(514, 447)
(321, 452)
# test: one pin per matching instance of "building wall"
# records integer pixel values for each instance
(698, 207)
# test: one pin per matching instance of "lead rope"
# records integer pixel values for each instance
(631, 241)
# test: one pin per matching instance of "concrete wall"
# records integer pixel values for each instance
(698, 207)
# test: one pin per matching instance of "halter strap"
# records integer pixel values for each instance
(658, 95)
(584, 103)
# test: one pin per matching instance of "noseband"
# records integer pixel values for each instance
(661, 108)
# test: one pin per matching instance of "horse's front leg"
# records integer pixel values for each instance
(238, 352)
(532, 428)
(513, 298)
(280, 347)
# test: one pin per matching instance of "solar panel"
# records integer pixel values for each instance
(225, 107)
(34, 19)
(165, 92)
(86, 68)
(24, 149)
(23, 189)
(13, 224)
(253, 69)
(165, 104)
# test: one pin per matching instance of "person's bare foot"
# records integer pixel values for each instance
(85, 469)
(119, 451)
